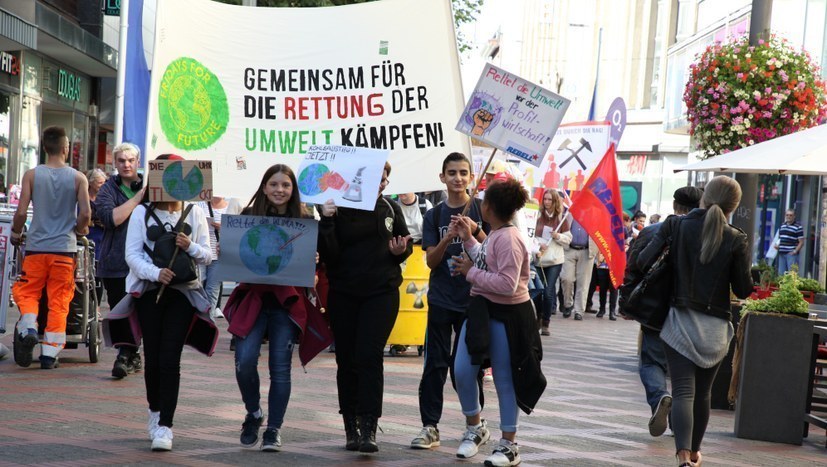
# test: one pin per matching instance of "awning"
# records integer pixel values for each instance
(800, 153)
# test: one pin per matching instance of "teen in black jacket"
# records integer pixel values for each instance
(362, 251)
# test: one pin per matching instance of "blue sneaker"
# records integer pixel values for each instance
(24, 347)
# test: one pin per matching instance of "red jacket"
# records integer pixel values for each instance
(303, 305)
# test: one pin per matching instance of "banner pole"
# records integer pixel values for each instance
(479, 181)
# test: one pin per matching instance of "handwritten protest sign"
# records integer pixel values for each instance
(268, 250)
(384, 84)
(512, 114)
(349, 176)
(179, 181)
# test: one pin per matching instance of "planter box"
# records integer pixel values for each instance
(775, 370)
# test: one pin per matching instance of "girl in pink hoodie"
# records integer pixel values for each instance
(501, 325)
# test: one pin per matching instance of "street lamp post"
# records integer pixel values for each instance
(744, 217)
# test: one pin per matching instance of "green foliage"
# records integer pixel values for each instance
(787, 299)
(768, 274)
(465, 11)
(809, 284)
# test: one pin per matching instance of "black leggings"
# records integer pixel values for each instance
(691, 392)
(164, 327)
(361, 326)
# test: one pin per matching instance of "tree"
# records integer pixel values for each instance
(465, 11)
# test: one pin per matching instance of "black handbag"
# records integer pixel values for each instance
(648, 301)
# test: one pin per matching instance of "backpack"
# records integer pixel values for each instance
(164, 254)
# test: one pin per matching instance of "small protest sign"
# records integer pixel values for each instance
(171, 181)
(350, 176)
(268, 250)
(512, 114)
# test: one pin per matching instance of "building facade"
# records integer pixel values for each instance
(52, 61)
(699, 23)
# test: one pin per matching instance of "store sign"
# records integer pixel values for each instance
(68, 85)
(112, 7)
(9, 64)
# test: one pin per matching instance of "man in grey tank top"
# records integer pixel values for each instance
(61, 211)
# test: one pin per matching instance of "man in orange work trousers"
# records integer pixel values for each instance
(60, 198)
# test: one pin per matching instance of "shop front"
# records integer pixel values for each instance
(10, 74)
(54, 94)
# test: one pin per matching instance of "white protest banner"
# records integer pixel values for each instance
(268, 250)
(171, 180)
(512, 114)
(251, 87)
(350, 176)
(575, 151)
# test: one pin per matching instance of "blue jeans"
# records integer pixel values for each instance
(652, 366)
(468, 384)
(282, 333)
(786, 261)
(550, 275)
(211, 284)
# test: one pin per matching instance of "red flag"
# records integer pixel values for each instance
(598, 208)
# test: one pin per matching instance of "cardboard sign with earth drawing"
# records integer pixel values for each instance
(350, 176)
(171, 180)
(268, 250)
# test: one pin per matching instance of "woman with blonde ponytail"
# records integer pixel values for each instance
(708, 257)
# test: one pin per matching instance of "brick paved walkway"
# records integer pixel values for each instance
(593, 413)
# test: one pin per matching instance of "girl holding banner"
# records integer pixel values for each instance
(167, 308)
(363, 251)
(280, 312)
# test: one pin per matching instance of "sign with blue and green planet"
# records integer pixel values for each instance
(268, 250)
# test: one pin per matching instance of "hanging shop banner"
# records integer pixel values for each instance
(512, 114)
(574, 153)
(268, 250)
(277, 81)
(350, 176)
(180, 181)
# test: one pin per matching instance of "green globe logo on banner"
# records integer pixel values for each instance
(192, 105)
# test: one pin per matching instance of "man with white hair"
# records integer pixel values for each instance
(116, 200)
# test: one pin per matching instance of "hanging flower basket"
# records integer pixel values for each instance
(738, 95)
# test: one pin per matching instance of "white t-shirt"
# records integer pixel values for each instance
(413, 218)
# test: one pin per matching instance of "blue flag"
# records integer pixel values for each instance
(136, 88)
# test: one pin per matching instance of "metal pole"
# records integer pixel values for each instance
(745, 214)
(121, 81)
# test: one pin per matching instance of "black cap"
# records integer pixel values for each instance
(688, 196)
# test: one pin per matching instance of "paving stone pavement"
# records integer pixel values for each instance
(592, 413)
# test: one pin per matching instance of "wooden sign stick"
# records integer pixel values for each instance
(479, 181)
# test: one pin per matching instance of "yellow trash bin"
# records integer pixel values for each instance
(412, 319)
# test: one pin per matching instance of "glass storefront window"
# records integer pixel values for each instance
(78, 143)
(5, 139)
(29, 136)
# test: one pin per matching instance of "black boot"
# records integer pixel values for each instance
(351, 432)
(602, 312)
(367, 431)
(612, 314)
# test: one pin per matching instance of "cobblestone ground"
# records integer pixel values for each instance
(593, 413)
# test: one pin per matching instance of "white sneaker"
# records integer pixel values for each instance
(506, 453)
(216, 313)
(152, 424)
(162, 439)
(472, 439)
(488, 375)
